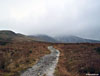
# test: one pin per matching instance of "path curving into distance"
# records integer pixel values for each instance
(45, 66)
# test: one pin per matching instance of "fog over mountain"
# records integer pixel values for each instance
(52, 17)
(7, 36)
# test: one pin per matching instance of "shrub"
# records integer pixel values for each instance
(17, 65)
(2, 66)
(30, 51)
(87, 70)
(97, 50)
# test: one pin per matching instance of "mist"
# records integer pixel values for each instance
(52, 17)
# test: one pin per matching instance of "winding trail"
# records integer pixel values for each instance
(45, 66)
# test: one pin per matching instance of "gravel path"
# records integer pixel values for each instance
(45, 66)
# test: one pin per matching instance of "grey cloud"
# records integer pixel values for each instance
(52, 17)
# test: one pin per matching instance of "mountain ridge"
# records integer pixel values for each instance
(7, 36)
(75, 39)
(44, 38)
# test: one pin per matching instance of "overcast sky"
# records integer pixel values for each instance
(52, 17)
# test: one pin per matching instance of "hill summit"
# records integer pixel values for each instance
(6, 35)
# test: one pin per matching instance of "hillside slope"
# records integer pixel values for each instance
(74, 39)
(64, 39)
(45, 38)
(22, 52)
(78, 59)
(75, 59)
(7, 36)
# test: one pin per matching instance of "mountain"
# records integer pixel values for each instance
(64, 39)
(7, 36)
(74, 39)
(24, 51)
(44, 38)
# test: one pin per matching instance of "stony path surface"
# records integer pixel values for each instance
(45, 66)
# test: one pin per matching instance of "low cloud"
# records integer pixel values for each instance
(52, 17)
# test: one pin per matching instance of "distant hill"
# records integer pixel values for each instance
(44, 38)
(75, 59)
(74, 39)
(8, 36)
(64, 39)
